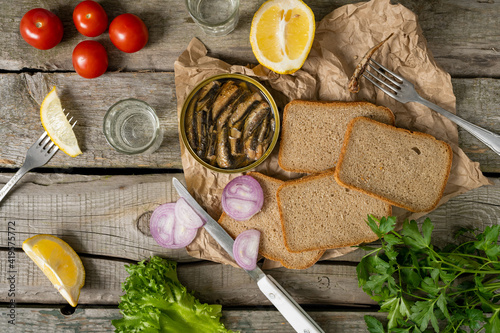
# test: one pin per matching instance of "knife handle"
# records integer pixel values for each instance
(285, 304)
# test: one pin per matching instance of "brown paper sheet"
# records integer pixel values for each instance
(342, 38)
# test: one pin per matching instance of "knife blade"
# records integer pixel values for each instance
(286, 305)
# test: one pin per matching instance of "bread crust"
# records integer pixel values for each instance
(283, 261)
(318, 103)
(375, 195)
(326, 247)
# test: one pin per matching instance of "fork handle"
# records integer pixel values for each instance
(490, 139)
(6, 188)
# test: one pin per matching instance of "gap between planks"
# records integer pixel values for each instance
(98, 319)
(477, 102)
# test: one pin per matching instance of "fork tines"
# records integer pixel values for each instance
(67, 115)
(45, 143)
(389, 79)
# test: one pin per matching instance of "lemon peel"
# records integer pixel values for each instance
(282, 34)
(57, 126)
(59, 262)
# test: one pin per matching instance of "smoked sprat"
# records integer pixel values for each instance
(361, 67)
(229, 124)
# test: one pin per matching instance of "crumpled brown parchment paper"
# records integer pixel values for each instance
(342, 38)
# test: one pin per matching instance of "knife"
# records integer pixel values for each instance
(285, 304)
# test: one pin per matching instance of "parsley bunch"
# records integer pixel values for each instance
(417, 283)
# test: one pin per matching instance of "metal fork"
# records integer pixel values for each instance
(39, 154)
(404, 91)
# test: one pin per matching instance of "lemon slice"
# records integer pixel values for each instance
(59, 262)
(57, 125)
(282, 34)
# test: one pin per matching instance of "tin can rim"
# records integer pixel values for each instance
(269, 99)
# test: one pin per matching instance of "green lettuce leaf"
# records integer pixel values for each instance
(155, 301)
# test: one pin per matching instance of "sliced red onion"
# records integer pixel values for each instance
(182, 236)
(242, 198)
(167, 230)
(162, 224)
(185, 213)
(246, 249)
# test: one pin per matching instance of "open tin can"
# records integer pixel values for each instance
(215, 135)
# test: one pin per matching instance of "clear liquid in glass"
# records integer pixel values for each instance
(131, 126)
(215, 17)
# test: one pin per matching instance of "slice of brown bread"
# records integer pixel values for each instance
(406, 169)
(313, 132)
(318, 213)
(267, 221)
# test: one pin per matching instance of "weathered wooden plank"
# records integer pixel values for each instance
(88, 100)
(475, 209)
(50, 319)
(32, 319)
(478, 102)
(103, 280)
(272, 321)
(96, 215)
(99, 215)
(323, 284)
(462, 35)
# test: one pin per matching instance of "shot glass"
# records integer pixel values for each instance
(131, 126)
(215, 17)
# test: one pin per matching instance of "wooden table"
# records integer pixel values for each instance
(99, 201)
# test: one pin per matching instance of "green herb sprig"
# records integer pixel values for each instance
(424, 288)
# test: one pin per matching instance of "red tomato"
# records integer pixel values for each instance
(90, 59)
(90, 18)
(128, 33)
(41, 29)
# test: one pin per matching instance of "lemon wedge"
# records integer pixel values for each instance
(59, 262)
(57, 125)
(282, 34)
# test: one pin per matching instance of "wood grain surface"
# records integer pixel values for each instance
(329, 283)
(100, 217)
(462, 34)
(96, 215)
(478, 102)
(107, 215)
(251, 320)
(100, 202)
(88, 101)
